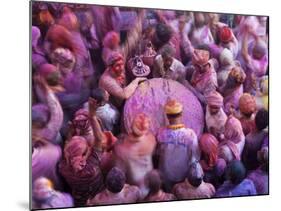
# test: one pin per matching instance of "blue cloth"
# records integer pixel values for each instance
(245, 188)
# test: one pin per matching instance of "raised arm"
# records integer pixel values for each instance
(133, 36)
(50, 131)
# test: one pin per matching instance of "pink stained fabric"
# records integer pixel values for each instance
(205, 82)
(234, 137)
(214, 99)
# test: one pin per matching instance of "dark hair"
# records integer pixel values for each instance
(98, 94)
(115, 180)
(154, 181)
(163, 32)
(236, 171)
(195, 174)
(173, 116)
(261, 119)
(203, 47)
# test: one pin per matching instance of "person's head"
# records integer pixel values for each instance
(261, 119)
(154, 181)
(167, 52)
(115, 180)
(69, 19)
(235, 172)
(87, 19)
(195, 174)
(173, 110)
(40, 116)
(76, 153)
(36, 34)
(163, 34)
(200, 60)
(226, 57)
(100, 95)
(233, 128)
(209, 148)
(42, 188)
(141, 124)
(111, 40)
(116, 64)
(199, 19)
(81, 119)
(236, 77)
(60, 37)
(50, 73)
(46, 18)
(64, 58)
(182, 18)
(214, 102)
(225, 34)
(247, 104)
(260, 49)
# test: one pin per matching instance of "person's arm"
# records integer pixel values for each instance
(50, 131)
(245, 53)
(133, 36)
(186, 44)
(123, 93)
(100, 138)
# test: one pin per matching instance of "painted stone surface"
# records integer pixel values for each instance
(150, 98)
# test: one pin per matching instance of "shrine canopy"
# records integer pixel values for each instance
(150, 98)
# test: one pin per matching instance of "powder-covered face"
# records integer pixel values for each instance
(42, 189)
(214, 109)
(78, 161)
(118, 68)
(81, 121)
(114, 42)
(167, 62)
(199, 19)
(140, 125)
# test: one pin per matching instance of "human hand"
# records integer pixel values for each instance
(93, 105)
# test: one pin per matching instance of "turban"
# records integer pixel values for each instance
(209, 146)
(238, 74)
(226, 57)
(111, 36)
(233, 129)
(247, 104)
(173, 107)
(225, 34)
(214, 99)
(82, 112)
(200, 57)
(113, 57)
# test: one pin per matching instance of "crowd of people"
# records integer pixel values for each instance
(88, 60)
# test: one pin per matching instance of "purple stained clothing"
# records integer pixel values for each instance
(245, 188)
(56, 200)
(260, 180)
(253, 144)
(177, 149)
(44, 162)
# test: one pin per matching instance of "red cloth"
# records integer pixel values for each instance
(225, 34)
